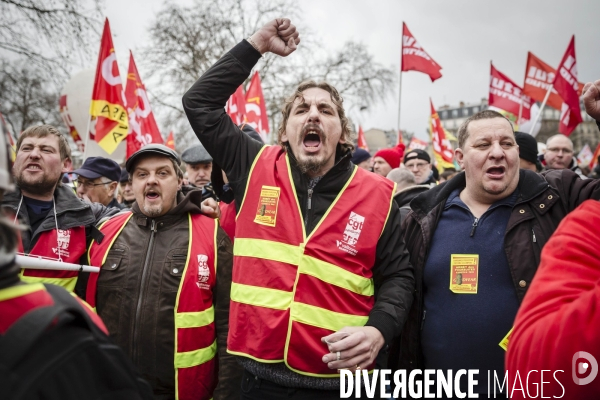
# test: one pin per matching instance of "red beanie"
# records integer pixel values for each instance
(393, 155)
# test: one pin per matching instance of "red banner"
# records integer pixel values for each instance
(109, 117)
(362, 142)
(256, 109)
(414, 58)
(66, 117)
(143, 129)
(442, 148)
(508, 96)
(236, 106)
(170, 143)
(566, 84)
(417, 144)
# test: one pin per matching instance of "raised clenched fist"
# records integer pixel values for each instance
(591, 99)
(278, 36)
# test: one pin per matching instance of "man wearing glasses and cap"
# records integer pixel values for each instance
(97, 181)
(158, 291)
(198, 165)
(419, 163)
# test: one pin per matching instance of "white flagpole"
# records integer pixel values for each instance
(44, 263)
(400, 79)
(520, 111)
(541, 109)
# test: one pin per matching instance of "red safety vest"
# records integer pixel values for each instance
(227, 220)
(16, 301)
(290, 290)
(71, 243)
(195, 337)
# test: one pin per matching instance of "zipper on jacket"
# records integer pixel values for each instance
(534, 239)
(474, 227)
(308, 207)
(140, 300)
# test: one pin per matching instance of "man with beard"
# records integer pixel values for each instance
(56, 222)
(163, 290)
(489, 225)
(316, 237)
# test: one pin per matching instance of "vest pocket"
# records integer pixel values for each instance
(174, 266)
(112, 273)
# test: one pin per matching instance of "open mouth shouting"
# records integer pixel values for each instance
(312, 138)
(152, 195)
(496, 172)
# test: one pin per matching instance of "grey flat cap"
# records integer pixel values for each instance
(154, 149)
(196, 155)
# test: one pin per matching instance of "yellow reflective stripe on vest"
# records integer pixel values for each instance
(20, 290)
(321, 318)
(260, 296)
(267, 250)
(195, 319)
(337, 276)
(192, 358)
(67, 283)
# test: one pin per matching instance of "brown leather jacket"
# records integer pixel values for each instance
(544, 200)
(136, 299)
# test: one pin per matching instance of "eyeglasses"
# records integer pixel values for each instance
(559, 149)
(89, 184)
(417, 165)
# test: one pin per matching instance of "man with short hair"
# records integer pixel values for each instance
(163, 290)
(387, 159)
(528, 152)
(489, 225)
(418, 162)
(315, 235)
(56, 223)
(125, 190)
(559, 154)
(198, 165)
(97, 181)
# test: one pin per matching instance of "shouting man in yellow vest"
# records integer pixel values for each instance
(158, 291)
(321, 276)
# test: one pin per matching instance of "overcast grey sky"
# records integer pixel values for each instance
(461, 35)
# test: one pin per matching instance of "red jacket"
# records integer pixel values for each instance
(560, 316)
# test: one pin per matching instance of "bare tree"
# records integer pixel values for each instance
(26, 97)
(186, 41)
(53, 34)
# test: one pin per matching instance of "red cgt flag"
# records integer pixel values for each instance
(442, 148)
(507, 96)
(414, 58)
(362, 142)
(143, 129)
(107, 110)
(566, 84)
(170, 143)
(236, 106)
(256, 110)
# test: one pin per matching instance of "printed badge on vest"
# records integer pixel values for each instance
(351, 233)
(64, 238)
(266, 214)
(203, 272)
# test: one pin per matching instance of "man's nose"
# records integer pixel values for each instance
(35, 153)
(497, 151)
(313, 114)
(80, 190)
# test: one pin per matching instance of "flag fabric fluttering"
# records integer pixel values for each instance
(66, 117)
(143, 128)
(594, 161)
(538, 78)
(256, 109)
(442, 149)
(417, 144)
(584, 158)
(400, 138)
(361, 141)
(508, 96)
(566, 85)
(170, 143)
(415, 58)
(236, 106)
(109, 117)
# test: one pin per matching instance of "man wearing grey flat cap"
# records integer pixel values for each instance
(159, 290)
(198, 165)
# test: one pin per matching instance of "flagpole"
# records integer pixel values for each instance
(400, 79)
(541, 109)
(520, 111)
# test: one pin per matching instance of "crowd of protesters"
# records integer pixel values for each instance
(342, 260)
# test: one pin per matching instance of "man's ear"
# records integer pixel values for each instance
(67, 165)
(111, 188)
(458, 154)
